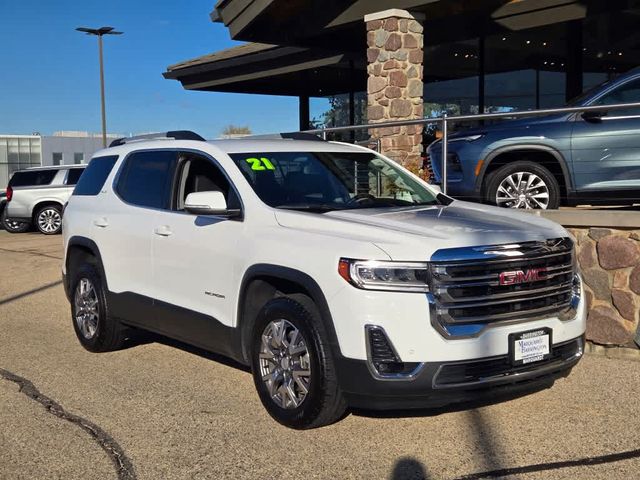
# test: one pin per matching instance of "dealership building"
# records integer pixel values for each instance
(403, 59)
(61, 148)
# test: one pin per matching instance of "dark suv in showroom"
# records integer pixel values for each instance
(544, 162)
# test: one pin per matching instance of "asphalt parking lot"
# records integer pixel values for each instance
(162, 411)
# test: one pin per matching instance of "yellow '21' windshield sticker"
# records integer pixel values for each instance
(259, 164)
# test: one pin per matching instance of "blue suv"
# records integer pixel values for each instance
(544, 162)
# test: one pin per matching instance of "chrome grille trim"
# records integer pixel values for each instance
(466, 289)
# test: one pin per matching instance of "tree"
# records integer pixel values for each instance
(233, 131)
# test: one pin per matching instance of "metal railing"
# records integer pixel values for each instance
(444, 121)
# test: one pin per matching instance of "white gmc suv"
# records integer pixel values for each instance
(341, 278)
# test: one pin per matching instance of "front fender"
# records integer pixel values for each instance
(493, 151)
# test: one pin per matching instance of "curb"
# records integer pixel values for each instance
(618, 353)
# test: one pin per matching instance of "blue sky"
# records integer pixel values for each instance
(49, 72)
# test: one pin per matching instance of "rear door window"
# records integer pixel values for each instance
(93, 177)
(32, 178)
(146, 178)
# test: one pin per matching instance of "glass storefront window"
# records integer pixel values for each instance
(451, 78)
(333, 111)
(608, 49)
(525, 69)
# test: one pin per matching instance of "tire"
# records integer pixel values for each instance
(13, 226)
(48, 220)
(323, 403)
(102, 333)
(524, 185)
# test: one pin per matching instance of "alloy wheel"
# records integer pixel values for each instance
(49, 220)
(284, 364)
(86, 308)
(523, 190)
(13, 225)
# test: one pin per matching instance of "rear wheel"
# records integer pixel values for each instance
(49, 220)
(523, 184)
(13, 226)
(96, 330)
(292, 365)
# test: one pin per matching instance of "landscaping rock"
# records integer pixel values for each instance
(620, 279)
(400, 108)
(375, 84)
(598, 233)
(381, 38)
(588, 295)
(586, 256)
(375, 112)
(393, 43)
(415, 88)
(617, 252)
(398, 78)
(372, 54)
(599, 283)
(604, 326)
(625, 304)
(634, 280)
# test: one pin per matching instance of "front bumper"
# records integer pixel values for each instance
(437, 384)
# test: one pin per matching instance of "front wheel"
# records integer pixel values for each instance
(13, 226)
(49, 220)
(523, 184)
(292, 365)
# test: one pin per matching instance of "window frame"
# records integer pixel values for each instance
(66, 177)
(179, 152)
(40, 171)
(115, 159)
(184, 155)
(617, 114)
(122, 171)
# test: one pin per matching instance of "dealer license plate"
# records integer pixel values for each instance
(529, 347)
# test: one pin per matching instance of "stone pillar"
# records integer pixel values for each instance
(394, 87)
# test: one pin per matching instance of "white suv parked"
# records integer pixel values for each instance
(37, 196)
(341, 278)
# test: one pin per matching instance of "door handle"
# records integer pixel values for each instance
(101, 222)
(163, 231)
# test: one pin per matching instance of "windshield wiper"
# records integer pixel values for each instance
(311, 207)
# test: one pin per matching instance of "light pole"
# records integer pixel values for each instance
(99, 32)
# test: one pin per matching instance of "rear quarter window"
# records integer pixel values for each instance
(73, 175)
(92, 179)
(32, 178)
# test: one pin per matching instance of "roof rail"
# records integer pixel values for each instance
(175, 134)
(287, 135)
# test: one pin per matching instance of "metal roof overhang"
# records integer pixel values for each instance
(271, 70)
(338, 24)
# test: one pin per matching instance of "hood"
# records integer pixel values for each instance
(409, 233)
(506, 123)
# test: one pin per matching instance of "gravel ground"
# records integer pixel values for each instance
(164, 411)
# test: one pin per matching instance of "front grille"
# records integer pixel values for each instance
(492, 369)
(502, 283)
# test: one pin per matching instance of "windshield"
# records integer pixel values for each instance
(577, 101)
(325, 181)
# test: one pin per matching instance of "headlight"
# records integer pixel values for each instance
(393, 276)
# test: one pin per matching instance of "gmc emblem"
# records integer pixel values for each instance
(522, 276)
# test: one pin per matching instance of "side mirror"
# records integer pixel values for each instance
(209, 203)
(593, 116)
